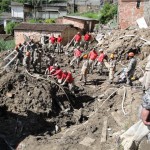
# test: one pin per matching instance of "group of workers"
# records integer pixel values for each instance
(62, 77)
(31, 53)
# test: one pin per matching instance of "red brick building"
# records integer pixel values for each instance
(129, 12)
(83, 23)
(36, 30)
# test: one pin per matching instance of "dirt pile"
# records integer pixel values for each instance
(119, 40)
(22, 93)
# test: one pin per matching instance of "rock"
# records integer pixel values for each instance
(9, 95)
(87, 141)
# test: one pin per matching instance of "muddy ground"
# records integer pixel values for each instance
(36, 113)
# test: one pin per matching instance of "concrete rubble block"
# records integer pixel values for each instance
(87, 141)
(9, 95)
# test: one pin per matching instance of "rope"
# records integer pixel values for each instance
(122, 105)
(52, 82)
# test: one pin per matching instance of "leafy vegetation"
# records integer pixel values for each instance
(10, 27)
(6, 45)
(49, 21)
(107, 13)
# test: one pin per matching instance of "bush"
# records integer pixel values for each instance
(49, 21)
(107, 13)
(10, 27)
(6, 45)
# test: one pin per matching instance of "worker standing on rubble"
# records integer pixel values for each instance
(112, 68)
(84, 69)
(87, 38)
(26, 61)
(52, 43)
(59, 44)
(131, 68)
(92, 57)
(146, 98)
(77, 55)
(19, 58)
(77, 39)
(37, 60)
(69, 80)
(100, 60)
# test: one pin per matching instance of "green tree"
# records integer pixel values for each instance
(10, 27)
(107, 12)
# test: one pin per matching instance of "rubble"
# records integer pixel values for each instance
(37, 113)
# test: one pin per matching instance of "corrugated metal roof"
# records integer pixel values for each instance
(85, 2)
(80, 18)
(42, 27)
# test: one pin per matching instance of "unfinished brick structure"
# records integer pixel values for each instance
(35, 31)
(83, 23)
(129, 13)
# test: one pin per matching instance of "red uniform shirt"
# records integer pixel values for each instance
(69, 78)
(64, 75)
(77, 53)
(50, 68)
(77, 38)
(101, 57)
(58, 73)
(52, 39)
(59, 39)
(93, 55)
(87, 37)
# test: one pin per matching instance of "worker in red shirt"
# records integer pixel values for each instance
(77, 39)
(58, 73)
(77, 54)
(59, 42)
(100, 60)
(52, 43)
(51, 69)
(87, 38)
(70, 81)
(92, 57)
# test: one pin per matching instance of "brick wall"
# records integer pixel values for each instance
(76, 23)
(128, 13)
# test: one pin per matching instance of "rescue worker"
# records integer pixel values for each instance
(77, 39)
(100, 60)
(19, 58)
(131, 68)
(26, 61)
(84, 69)
(52, 43)
(77, 55)
(69, 80)
(59, 44)
(58, 73)
(21, 47)
(63, 77)
(92, 57)
(37, 60)
(87, 38)
(112, 68)
(146, 98)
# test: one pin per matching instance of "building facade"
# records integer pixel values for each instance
(131, 10)
(36, 31)
(83, 23)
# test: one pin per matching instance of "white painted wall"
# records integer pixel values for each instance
(17, 11)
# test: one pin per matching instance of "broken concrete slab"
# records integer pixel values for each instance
(87, 141)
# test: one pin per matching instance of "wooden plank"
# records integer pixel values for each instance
(104, 130)
(118, 118)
